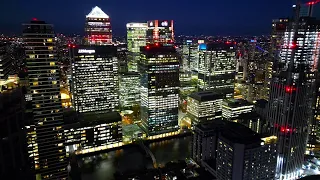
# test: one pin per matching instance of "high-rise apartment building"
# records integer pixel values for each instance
(160, 31)
(232, 151)
(204, 106)
(296, 45)
(159, 69)
(136, 38)
(94, 78)
(217, 67)
(45, 134)
(98, 28)
(129, 89)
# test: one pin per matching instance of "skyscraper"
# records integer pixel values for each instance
(129, 89)
(46, 132)
(136, 38)
(217, 67)
(159, 68)
(295, 45)
(160, 32)
(98, 28)
(94, 78)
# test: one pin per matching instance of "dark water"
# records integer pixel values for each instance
(134, 158)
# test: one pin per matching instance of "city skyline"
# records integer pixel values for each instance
(249, 18)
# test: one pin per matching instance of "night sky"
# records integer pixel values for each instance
(192, 17)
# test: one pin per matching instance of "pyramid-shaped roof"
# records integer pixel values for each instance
(96, 12)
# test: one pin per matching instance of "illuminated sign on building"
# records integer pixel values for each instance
(164, 23)
(200, 41)
(202, 47)
(86, 51)
(151, 24)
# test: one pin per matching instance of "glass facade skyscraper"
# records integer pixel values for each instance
(136, 38)
(159, 68)
(45, 134)
(98, 28)
(296, 46)
(217, 67)
(160, 31)
(95, 78)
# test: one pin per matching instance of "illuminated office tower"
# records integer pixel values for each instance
(296, 55)
(160, 32)
(95, 78)
(204, 106)
(190, 56)
(232, 108)
(129, 89)
(217, 66)
(257, 73)
(45, 134)
(136, 38)
(159, 69)
(232, 151)
(5, 61)
(98, 28)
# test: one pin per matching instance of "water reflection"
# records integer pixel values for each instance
(103, 166)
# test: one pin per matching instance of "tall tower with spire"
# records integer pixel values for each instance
(98, 28)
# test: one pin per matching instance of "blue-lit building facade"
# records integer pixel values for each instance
(159, 69)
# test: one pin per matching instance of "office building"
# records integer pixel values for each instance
(232, 108)
(5, 61)
(136, 38)
(129, 89)
(94, 132)
(217, 67)
(46, 132)
(230, 150)
(296, 56)
(159, 69)
(204, 106)
(190, 56)
(122, 54)
(94, 78)
(256, 70)
(160, 31)
(98, 28)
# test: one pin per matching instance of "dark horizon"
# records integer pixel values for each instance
(206, 18)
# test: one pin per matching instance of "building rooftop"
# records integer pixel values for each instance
(238, 133)
(234, 132)
(157, 49)
(234, 103)
(89, 119)
(261, 103)
(96, 12)
(206, 96)
(130, 74)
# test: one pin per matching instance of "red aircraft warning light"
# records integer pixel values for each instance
(313, 2)
(34, 19)
(290, 89)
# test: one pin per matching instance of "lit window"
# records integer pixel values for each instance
(50, 48)
(37, 105)
(32, 56)
(54, 82)
(49, 40)
(52, 63)
(35, 83)
(52, 71)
